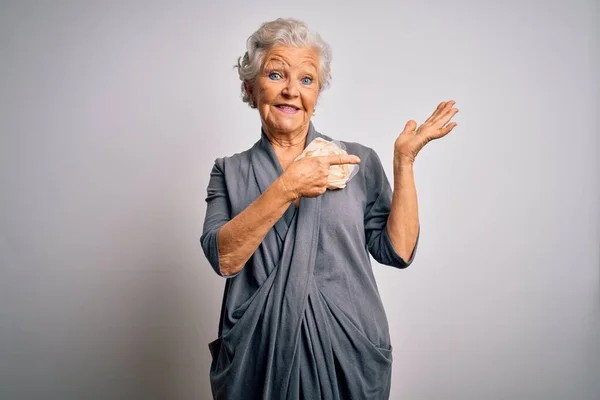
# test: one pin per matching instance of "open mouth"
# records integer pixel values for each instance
(288, 108)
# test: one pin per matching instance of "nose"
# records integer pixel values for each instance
(290, 90)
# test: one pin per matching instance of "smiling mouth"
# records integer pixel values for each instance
(287, 107)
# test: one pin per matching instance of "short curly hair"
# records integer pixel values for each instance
(281, 32)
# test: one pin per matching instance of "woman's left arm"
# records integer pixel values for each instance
(403, 220)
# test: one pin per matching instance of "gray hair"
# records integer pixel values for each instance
(281, 32)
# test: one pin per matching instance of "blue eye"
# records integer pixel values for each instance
(307, 80)
(274, 76)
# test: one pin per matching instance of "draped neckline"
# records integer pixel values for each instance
(267, 169)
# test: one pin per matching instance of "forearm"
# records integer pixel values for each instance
(239, 238)
(403, 221)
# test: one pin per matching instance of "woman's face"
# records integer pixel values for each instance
(286, 90)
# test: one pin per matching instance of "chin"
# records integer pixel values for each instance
(286, 126)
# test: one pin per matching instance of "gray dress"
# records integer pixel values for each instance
(303, 319)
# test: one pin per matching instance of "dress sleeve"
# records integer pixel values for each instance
(379, 201)
(218, 213)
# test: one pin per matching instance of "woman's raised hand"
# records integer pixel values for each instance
(413, 139)
(307, 177)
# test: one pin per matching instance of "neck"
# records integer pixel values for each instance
(288, 139)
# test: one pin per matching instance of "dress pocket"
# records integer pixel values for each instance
(215, 348)
(349, 328)
(387, 353)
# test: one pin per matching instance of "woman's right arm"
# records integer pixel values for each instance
(238, 238)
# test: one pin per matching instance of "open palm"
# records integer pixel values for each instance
(412, 139)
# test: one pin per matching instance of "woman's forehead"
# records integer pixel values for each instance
(293, 56)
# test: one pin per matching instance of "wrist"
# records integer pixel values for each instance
(286, 192)
(403, 163)
(402, 159)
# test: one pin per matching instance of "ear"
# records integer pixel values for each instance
(248, 89)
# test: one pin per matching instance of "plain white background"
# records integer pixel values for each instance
(111, 116)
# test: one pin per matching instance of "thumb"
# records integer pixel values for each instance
(410, 126)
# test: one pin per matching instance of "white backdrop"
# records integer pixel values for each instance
(111, 115)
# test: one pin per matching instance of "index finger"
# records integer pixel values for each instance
(339, 159)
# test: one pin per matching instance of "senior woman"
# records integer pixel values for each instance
(301, 316)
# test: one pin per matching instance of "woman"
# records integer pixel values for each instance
(301, 315)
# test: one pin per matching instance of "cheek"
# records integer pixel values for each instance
(259, 93)
(267, 91)
(258, 90)
(311, 99)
